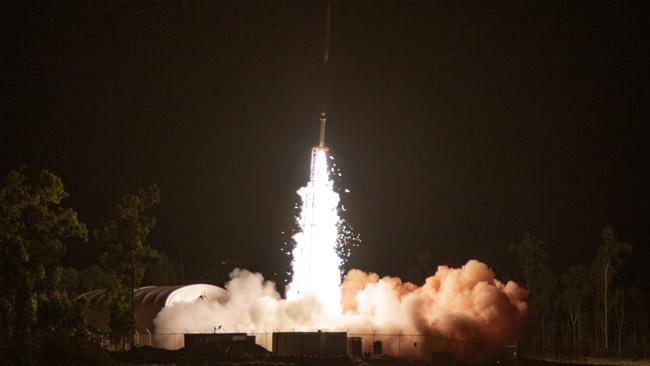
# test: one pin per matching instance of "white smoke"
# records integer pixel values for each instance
(251, 304)
(466, 304)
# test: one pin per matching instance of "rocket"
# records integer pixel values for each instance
(321, 140)
(323, 114)
(321, 145)
(326, 56)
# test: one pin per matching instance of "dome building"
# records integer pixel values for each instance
(148, 302)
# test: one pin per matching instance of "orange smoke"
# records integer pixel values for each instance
(464, 310)
(467, 305)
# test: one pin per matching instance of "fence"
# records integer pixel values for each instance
(404, 345)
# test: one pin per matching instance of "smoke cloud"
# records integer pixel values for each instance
(465, 310)
(465, 304)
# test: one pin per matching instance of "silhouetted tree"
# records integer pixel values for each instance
(534, 274)
(162, 271)
(576, 289)
(604, 267)
(127, 255)
(70, 279)
(637, 322)
(618, 307)
(34, 227)
(93, 278)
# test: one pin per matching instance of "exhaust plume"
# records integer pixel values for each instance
(465, 310)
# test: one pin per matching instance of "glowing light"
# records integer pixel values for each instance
(316, 262)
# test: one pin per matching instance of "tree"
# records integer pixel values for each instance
(534, 274)
(93, 278)
(162, 271)
(70, 280)
(604, 267)
(618, 305)
(33, 229)
(636, 319)
(122, 320)
(576, 289)
(127, 255)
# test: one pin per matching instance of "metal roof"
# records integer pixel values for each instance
(149, 300)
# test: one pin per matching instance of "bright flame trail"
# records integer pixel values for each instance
(315, 260)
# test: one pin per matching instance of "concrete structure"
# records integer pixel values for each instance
(310, 343)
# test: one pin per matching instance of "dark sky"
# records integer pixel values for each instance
(458, 125)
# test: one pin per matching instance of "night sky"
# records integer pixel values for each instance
(458, 126)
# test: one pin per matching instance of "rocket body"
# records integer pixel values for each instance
(321, 144)
(323, 121)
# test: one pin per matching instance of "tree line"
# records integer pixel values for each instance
(41, 310)
(588, 308)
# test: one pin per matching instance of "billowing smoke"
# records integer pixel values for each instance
(466, 305)
(465, 310)
(251, 304)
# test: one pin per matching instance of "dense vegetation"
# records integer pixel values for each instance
(40, 306)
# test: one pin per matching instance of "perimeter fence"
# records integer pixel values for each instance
(405, 345)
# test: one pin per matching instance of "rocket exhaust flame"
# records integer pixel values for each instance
(315, 259)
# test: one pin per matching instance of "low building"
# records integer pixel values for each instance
(310, 343)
